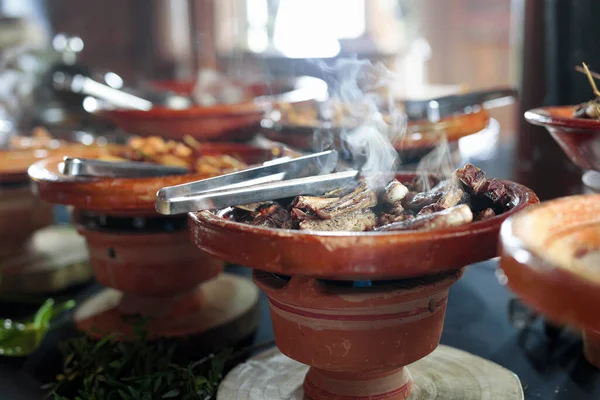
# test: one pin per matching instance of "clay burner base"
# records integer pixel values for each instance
(357, 340)
(447, 373)
(154, 271)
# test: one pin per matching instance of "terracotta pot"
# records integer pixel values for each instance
(578, 137)
(591, 347)
(127, 196)
(21, 214)
(148, 264)
(220, 122)
(352, 255)
(14, 163)
(542, 251)
(422, 136)
(357, 341)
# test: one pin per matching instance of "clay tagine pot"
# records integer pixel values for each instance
(550, 257)
(21, 212)
(421, 137)
(146, 259)
(578, 137)
(356, 340)
(221, 122)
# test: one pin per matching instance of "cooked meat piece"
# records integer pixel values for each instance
(421, 184)
(312, 203)
(394, 192)
(300, 215)
(432, 208)
(451, 217)
(454, 196)
(498, 193)
(485, 214)
(416, 202)
(273, 216)
(361, 220)
(360, 198)
(388, 218)
(254, 207)
(473, 178)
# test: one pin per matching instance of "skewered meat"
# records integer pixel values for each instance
(360, 198)
(451, 217)
(361, 220)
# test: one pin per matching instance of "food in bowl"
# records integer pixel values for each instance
(423, 204)
(189, 155)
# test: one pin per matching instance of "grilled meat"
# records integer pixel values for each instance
(360, 198)
(451, 217)
(356, 221)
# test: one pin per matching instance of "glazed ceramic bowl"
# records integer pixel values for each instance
(21, 214)
(546, 255)
(543, 254)
(127, 196)
(578, 137)
(352, 255)
(223, 122)
(421, 137)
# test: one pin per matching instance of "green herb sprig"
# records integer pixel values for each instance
(18, 339)
(111, 369)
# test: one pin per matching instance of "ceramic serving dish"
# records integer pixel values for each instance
(222, 122)
(550, 257)
(578, 137)
(420, 139)
(357, 337)
(127, 196)
(352, 255)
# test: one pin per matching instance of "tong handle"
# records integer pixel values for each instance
(274, 170)
(83, 167)
(87, 86)
(312, 185)
(434, 109)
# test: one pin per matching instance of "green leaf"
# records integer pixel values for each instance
(124, 395)
(157, 384)
(21, 339)
(171, 394)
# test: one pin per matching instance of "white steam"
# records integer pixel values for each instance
(370, 119)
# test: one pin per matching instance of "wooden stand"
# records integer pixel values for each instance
(445, 374)
(54, 259)
(221, 312)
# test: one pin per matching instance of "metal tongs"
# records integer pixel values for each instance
(83, 167)
(276, 179)
(435, 109)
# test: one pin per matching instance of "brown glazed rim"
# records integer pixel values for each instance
(352, 255)
(14, 163)
(305, 88)
(563, 294)
(561, 117)
(526, 198)
(126, 196)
